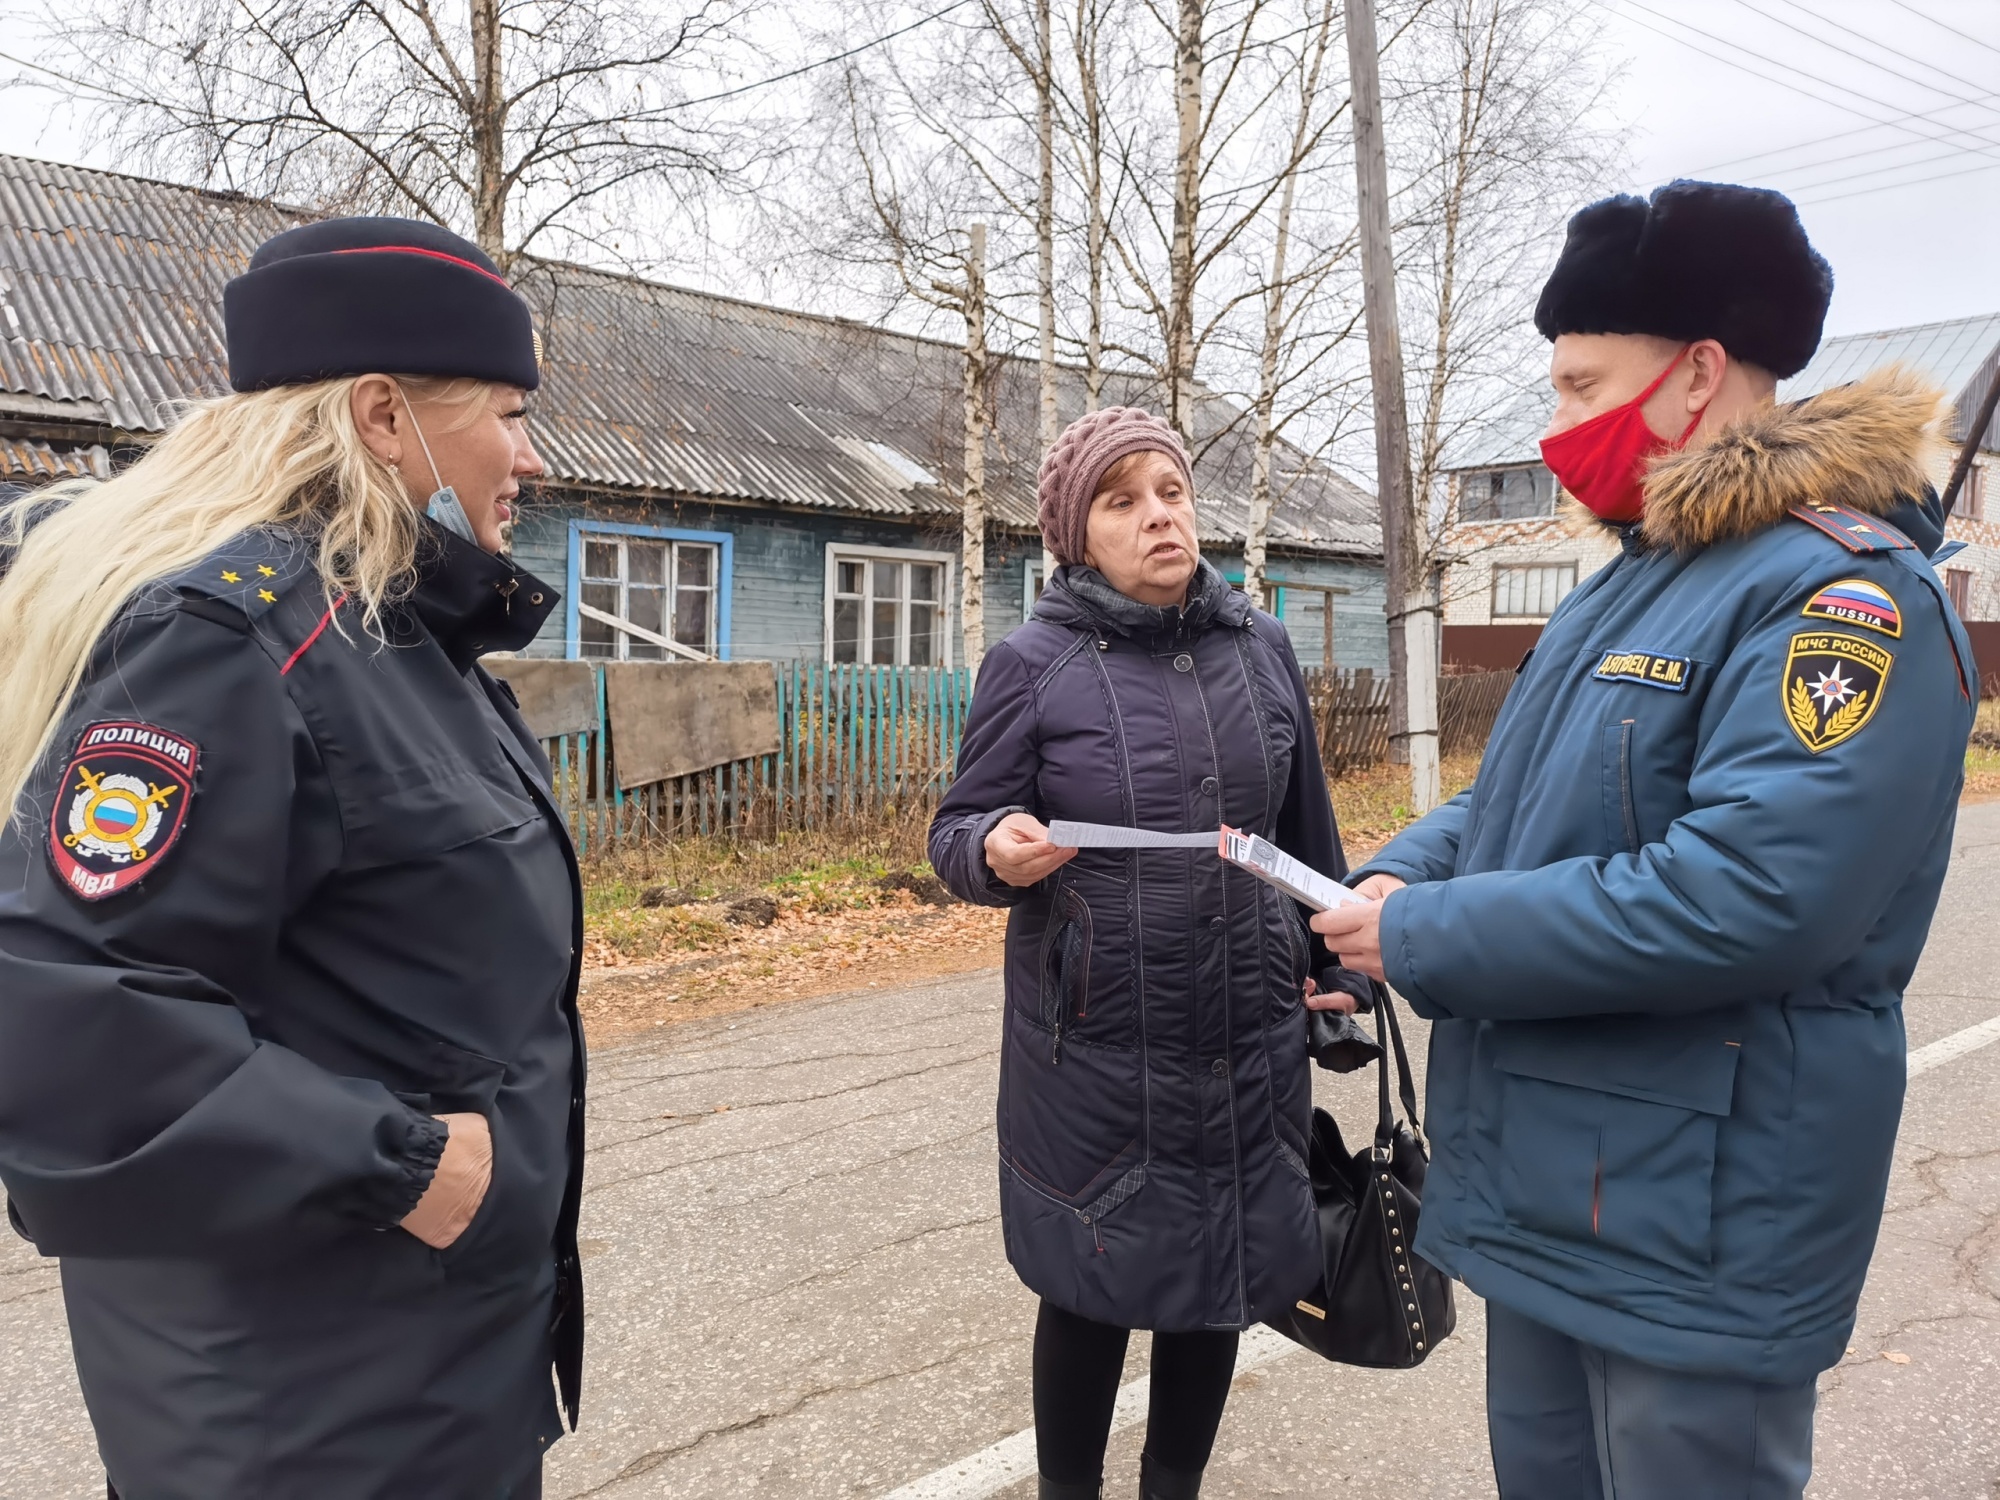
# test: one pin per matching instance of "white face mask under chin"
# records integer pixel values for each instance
(443, 507)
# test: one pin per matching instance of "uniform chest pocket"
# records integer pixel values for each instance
(1648, 707)
(401, 815)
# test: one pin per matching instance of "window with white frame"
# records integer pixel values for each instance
(663, 585)
(1531, 593)
(888, 608)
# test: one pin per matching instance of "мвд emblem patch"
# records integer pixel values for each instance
(120, 806)
(1832, 685)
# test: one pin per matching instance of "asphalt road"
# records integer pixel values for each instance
(797, 1286)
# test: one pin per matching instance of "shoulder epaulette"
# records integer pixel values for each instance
(1852, 529)
(250, 571)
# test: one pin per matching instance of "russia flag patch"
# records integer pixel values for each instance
(1856, 601)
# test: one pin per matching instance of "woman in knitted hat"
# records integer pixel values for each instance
(1154, 1096)
(290, 1073)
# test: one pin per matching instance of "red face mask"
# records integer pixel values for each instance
(1602, 461)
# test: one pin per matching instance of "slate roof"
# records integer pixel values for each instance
(111, 297)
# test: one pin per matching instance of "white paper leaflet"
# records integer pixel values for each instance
(1260, 857)
(1109, 836)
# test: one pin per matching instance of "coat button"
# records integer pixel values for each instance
(1215, 924)
(1184, 663)
(1220, 1067)
(1210, 786)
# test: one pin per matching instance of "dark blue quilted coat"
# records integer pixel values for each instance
(1154, 1094)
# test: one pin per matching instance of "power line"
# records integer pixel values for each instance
(1840, 178)
(1984, 166)
(1841, 135)
(1847, 156)
(1986, 143)
(1900, 166)
(1943, 26)
(824, 62)
(1859, 57)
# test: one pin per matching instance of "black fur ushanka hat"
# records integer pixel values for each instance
(371, 295)
(1700, 260)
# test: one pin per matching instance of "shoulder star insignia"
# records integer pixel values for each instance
(231, 577)
(267, 596)
(265, 570)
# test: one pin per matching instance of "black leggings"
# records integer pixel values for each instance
(1077, 1365)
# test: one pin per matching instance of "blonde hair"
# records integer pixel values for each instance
(84, 549)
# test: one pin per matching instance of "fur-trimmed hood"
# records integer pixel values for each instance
(1868, 445)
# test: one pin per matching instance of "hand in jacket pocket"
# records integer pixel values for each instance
(458, 1187)
(1019, 852)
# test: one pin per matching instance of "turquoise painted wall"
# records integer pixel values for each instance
(777, 596)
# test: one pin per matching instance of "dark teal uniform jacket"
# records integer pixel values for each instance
(281, 893)
(1664, 939)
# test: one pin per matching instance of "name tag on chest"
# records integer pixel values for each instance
(1648, 667)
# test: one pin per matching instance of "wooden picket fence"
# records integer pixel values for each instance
(856, 744)
(1352, 708)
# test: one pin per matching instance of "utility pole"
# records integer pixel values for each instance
(972, 562)
(1045, 237)
(1413, 729)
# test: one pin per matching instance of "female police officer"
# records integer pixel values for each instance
(290, 1072)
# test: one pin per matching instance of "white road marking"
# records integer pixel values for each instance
(1012, 1459)
(1956, 1045)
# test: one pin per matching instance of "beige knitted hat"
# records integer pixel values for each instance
(1072, 469)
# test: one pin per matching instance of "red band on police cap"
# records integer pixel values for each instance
(419, 250)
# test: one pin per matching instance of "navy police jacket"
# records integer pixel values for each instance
(1664, 939)
(282, 892)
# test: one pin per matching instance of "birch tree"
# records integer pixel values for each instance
(1310, 73)
(528, 124)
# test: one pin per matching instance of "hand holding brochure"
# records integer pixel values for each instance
(1272, 865)
(1259, 856)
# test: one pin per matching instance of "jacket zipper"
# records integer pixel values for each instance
(1625, 787)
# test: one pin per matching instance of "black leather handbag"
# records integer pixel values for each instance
(1377, 1304)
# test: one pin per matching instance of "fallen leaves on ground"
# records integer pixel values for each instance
(803, 954)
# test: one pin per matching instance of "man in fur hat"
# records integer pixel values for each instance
(1664, 941)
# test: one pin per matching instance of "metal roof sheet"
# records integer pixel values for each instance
(1958, 354)
(1961, 355)
(111, 313)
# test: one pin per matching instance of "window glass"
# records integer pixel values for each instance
(1958, 584)
(658, 584)
(846, 629)
(1517, 494)
(882, 651)
(648, 562)
(1531, 593)
(888, 611)
(594, 637)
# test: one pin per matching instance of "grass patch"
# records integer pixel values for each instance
(1373, 805)
(690, 883)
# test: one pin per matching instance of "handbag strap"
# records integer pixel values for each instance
(1385, 1019)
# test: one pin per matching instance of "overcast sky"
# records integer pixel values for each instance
(1881, 117)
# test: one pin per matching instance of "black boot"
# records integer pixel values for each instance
(1051, 1489)
(1158, 1482)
